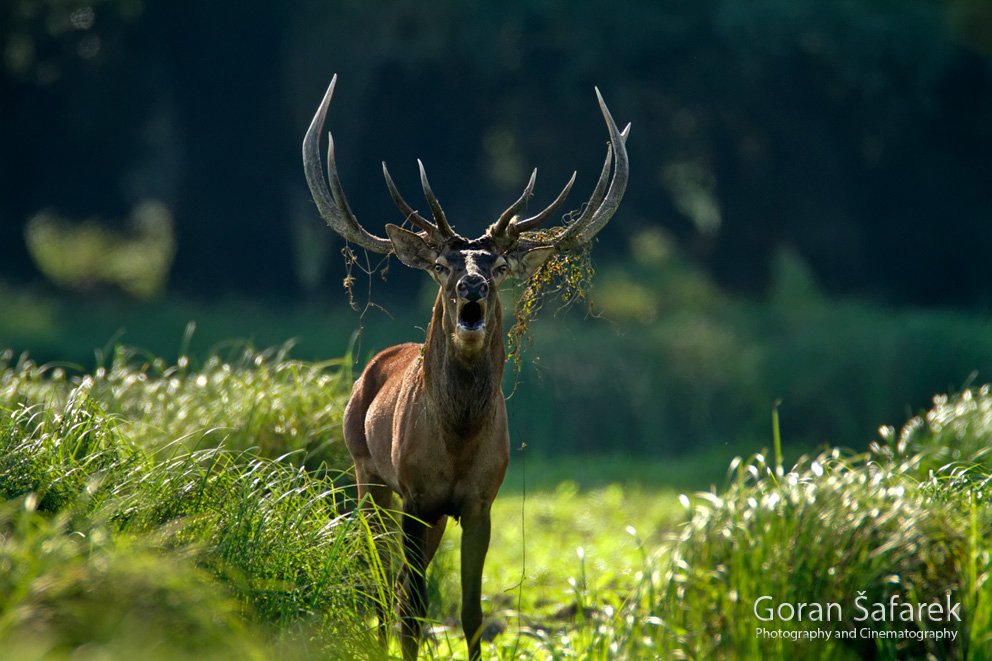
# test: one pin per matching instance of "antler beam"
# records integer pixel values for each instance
(331, 202)
(598, 210)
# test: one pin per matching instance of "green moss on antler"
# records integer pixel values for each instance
(567, 276)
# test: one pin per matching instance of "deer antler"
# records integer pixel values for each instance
(503, 224)
(439, 232)
(409, 213)
(506, 231)
(331, 202)
(334, 207)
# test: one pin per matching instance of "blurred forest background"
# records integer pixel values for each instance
(809, 214)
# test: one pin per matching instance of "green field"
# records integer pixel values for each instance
(180, 510)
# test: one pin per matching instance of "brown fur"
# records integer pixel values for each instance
(431, 425)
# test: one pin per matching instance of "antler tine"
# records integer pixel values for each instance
(443, 228)
(599, 192)
(601, 207)
(406, 209)
(331, 202)
(499, 228)
(534, 221)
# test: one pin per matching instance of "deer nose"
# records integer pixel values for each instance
(473, 288)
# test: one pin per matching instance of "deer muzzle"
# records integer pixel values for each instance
(472, 291)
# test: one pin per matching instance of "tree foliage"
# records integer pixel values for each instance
(855, 133)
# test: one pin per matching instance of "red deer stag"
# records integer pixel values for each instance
(428, 421)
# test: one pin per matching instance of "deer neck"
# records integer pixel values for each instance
(463, 389)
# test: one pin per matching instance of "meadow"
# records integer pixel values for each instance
(203, 509)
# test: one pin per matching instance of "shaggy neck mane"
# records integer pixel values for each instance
(464, 389)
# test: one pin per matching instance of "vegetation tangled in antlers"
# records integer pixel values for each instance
(567, 276)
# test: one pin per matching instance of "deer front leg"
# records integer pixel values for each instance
(413, 603)
(374, 496)
(476, 529)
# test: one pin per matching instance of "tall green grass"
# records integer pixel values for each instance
(198, 510)
(910, 519)
(106, 522)
(261, 401)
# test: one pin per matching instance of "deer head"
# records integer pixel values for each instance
(469, 272)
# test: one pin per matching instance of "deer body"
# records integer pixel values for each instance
(428, 421)
(432, 430)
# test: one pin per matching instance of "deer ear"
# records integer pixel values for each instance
(525, 264)
(411, 248)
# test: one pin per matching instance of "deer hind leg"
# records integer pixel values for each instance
(374, 495)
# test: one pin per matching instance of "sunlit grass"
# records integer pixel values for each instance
(205, 502)
(273, 541)
(566, 571)
(256, 400)
(835, 529)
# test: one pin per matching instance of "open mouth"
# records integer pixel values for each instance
(470, 317)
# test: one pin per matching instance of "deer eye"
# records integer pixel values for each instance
(502, 269)
(440, 269)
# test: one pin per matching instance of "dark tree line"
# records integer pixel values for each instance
(858, 134)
